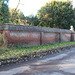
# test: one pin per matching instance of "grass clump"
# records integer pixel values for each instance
(25, 51)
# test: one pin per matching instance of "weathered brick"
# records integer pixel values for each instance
(19, 35)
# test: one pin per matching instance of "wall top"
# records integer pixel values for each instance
(11, 27)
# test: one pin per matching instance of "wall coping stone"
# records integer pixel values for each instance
(11, 27)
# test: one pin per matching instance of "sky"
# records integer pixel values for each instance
(29, 7)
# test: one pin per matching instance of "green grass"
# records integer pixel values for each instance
(18, 52)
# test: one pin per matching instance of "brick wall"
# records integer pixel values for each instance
(18, 35)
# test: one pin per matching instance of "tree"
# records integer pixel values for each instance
(16, 17)
(57, 14)
(32, 20)
(4, 11)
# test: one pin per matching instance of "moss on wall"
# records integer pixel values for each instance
(3, 44)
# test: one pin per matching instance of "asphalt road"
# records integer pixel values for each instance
(62, 63)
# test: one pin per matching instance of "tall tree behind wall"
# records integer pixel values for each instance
(16, 17)
(32, 20)
(57, 14)
(4, 11)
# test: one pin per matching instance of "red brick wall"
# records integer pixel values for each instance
(25, 37)
(35, 38)
(32, 36)
(50, 37)
(73, 36)
(65, 37)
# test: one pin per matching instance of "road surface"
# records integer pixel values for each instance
(62, 63)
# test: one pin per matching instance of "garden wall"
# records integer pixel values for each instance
(19, 35)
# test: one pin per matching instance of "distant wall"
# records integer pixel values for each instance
(18, 35)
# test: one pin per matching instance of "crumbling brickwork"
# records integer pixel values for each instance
(19, 35)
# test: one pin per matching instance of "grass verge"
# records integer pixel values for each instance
(24, 54)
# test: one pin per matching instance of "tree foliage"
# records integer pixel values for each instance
(16, 17)
(8, 15)
(32, 20)
(4, 11)
(57, 14)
